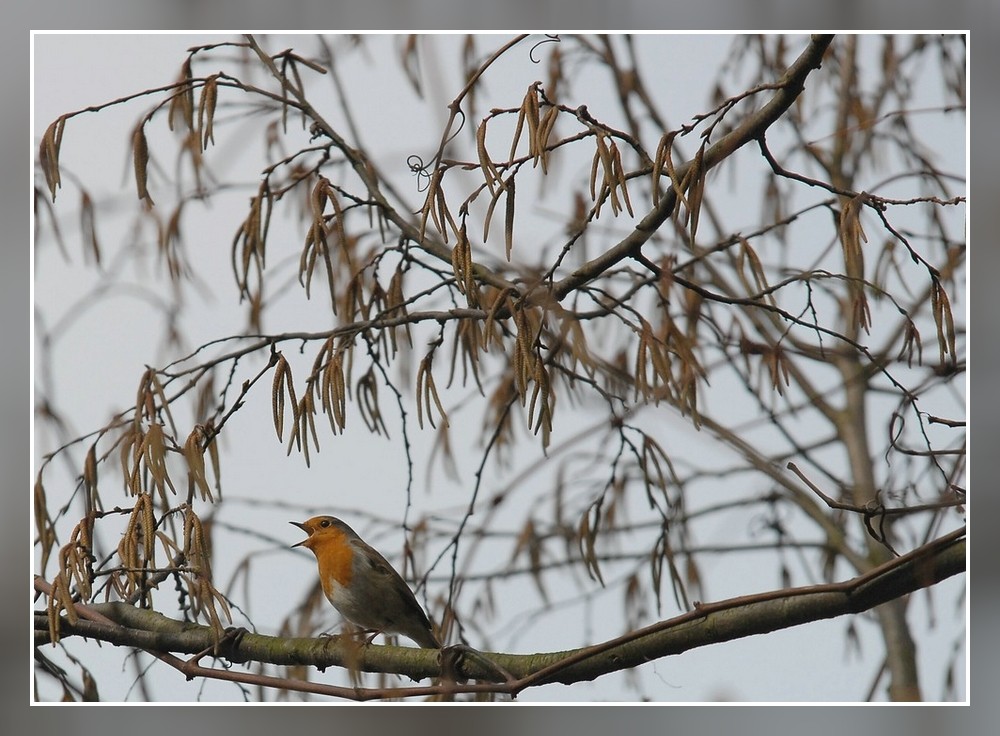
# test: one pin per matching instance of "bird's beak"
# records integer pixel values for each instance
(304, 528)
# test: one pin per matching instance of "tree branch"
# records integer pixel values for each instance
(790, 86)
(125, 625)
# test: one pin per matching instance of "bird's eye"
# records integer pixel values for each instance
(325, 523)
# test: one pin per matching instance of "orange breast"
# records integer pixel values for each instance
(334, 554)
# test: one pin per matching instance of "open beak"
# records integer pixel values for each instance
(303, 527)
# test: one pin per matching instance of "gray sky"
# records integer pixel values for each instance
(100, 358)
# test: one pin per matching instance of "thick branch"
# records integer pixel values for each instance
(707, 624)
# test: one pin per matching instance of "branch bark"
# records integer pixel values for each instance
(124, 625)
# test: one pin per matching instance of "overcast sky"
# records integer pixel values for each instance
(101, 354)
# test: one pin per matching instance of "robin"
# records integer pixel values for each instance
(362, 585)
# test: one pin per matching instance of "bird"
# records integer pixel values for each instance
(362, 585)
